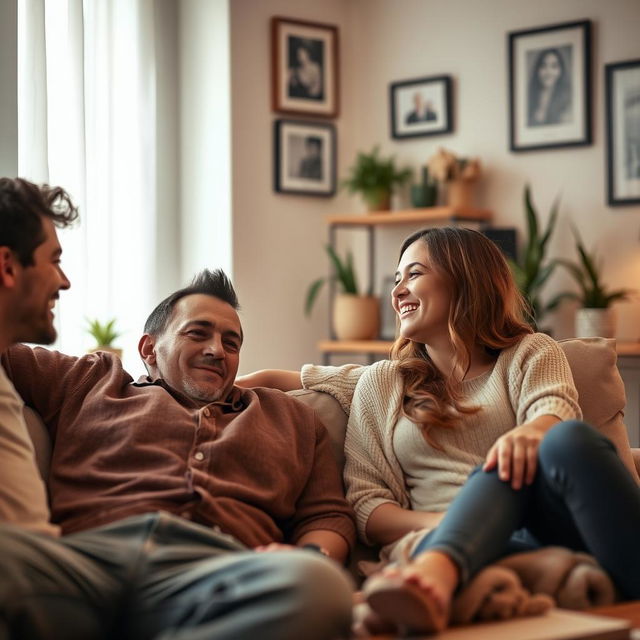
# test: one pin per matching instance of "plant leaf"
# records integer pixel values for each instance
(312, 294)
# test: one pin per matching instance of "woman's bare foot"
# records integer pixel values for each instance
(416, 597)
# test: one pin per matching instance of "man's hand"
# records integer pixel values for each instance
(516, 452)
(274, 546)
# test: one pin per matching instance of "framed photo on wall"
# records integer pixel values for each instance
(550, 86)
(622, 82)
(304, 59)
(304, 159)
(420, 107)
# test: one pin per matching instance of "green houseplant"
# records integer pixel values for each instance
(374, 178)
(533, 270)
(355, 316)
(104, 334)
(595, 317)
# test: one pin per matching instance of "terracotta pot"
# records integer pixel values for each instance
(377, 200)
(460, 193)
(595, 323)
(115, 351)
(356, 317)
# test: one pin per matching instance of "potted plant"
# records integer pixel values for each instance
(374, 178)
(595, 317)
(104, 334)
(355, 316)
(533, 270)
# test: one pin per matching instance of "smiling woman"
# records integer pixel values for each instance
(473, 414)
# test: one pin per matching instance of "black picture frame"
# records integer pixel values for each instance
(304, 68)
(622, 97)
(304, 158)
(550, 86)
(421, 107)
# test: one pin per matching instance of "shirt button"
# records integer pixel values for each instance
(199, 455)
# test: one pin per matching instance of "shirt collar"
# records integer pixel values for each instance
(233, 403)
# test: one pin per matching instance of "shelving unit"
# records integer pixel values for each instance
(414, 217)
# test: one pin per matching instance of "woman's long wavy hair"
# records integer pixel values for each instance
(486, 310)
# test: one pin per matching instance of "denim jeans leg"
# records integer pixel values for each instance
(582, 474)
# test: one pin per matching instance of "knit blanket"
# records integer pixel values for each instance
(532, 582)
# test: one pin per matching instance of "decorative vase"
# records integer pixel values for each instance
(460, 193)
(377, 199)
(424, 195)
(356, 317)
(595, 323)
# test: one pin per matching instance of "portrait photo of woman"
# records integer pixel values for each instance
(549, 92)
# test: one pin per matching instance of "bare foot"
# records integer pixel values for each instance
(416, 597)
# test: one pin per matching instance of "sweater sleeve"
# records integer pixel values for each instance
(339, 382)
(372, 473)
(540, 381)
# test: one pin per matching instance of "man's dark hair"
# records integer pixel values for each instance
(22, 207)
(211, 283)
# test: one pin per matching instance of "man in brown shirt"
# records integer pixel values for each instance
(165, 486)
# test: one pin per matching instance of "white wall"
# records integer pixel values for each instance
(9, 88)
(205, 203)
(278, 238)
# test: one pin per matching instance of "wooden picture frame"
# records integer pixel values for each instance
(550, 87)
(304, 159)
(305, 67)
(421, 107)
(622, 95)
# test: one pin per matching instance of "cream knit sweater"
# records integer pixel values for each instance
(528, 380)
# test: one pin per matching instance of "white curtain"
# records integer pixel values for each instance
(87, 122)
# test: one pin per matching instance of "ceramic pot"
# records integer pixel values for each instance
(377, 199)
(460, 193)
(424, 195)
(594, 323)
(356, 317)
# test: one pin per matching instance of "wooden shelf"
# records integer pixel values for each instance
(355, 346)
(628, 348)
(430, 215)
(384, 346)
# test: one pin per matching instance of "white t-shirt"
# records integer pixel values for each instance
(23, 494)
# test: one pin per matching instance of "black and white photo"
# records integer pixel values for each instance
(304, 158)
(305, 67)
(550, 86)
(420, 107)
(622, 81)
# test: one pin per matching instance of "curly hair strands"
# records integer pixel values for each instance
(487, 310)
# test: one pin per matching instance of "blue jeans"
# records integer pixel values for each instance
(159, 576)
(583, 497)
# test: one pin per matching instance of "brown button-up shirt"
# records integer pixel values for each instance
(257, 466)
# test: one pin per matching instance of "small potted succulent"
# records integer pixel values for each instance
(595, 317)
(355, 316)
(104, 334)
(374, 178)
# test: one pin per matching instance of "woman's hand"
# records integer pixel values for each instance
(516, 452)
